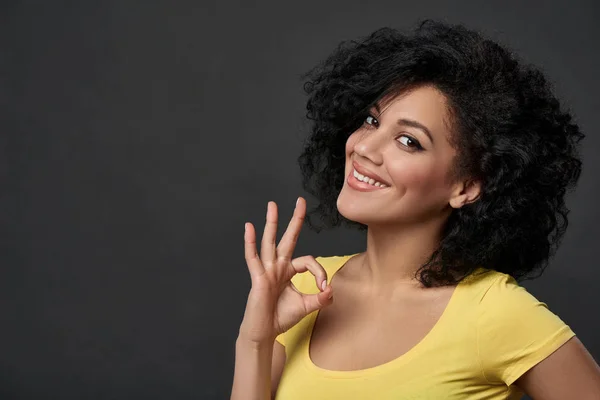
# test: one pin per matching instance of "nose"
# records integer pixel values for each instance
(370, 145)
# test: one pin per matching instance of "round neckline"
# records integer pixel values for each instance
(389, 365)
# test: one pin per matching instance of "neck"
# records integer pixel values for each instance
(395, 253)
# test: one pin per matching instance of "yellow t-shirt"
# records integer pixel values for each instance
(491, 332)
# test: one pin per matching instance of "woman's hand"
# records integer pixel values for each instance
(274, 305)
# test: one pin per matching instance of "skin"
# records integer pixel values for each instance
(404, 224)
(378, 288)
(405, 220)
(274, 304)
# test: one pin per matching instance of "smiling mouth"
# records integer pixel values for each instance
(367, 180)
(363, 183)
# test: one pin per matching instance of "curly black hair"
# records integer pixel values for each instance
(508, 129)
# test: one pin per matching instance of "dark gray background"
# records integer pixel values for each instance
(138, 137)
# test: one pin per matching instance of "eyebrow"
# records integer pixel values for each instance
(411, 123)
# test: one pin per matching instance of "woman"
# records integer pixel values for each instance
(455, 158)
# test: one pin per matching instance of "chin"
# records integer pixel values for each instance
(355, 207)
(357, 211)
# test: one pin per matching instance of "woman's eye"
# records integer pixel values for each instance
(370, 120)
(410, 142)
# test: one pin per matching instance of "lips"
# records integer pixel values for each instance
(364, 171)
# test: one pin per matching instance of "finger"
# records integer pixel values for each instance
(285, 249)
(309, 263)
(317, 301)
(254, 264)
(267, 245)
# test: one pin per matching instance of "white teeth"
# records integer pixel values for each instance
(368, 180)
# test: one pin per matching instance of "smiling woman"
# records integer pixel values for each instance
(396, 147)
(455, 158)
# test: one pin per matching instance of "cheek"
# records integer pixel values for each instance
(418, 174)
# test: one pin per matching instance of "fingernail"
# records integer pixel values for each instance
(324, 284)
(330, 295)
(297, 200)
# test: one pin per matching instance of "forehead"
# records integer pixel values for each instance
(425, 104)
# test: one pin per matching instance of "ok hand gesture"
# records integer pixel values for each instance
(274, 304)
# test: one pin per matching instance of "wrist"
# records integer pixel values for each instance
(245, 341)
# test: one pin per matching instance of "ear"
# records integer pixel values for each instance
(465, 192)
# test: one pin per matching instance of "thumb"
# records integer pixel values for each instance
(317, 301)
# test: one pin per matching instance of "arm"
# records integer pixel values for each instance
(568, 373)
(274, 304)
(252, 374)
(279, 358)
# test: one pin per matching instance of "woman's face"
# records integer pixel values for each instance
(404, 142)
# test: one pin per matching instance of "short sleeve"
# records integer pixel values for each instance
(515, 331)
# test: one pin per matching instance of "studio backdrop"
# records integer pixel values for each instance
(138, 137)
